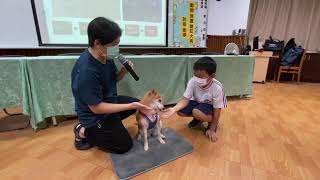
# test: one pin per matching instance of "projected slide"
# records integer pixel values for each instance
(65, 21)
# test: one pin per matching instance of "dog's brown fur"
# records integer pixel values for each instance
(152, 99)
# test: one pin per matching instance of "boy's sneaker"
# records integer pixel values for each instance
(194, 123)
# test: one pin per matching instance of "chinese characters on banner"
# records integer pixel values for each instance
(190, 23)
(191, 13)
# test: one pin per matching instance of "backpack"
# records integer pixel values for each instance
(290, 44)
(291, 56)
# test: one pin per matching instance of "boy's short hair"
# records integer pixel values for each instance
(205, 64)
(104, 30)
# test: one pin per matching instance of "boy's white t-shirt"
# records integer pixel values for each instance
(213, 94)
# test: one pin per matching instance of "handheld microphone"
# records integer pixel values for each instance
(124, 61)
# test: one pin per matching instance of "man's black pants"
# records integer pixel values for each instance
(109, 134)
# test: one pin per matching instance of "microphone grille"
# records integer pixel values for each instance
(122, 59)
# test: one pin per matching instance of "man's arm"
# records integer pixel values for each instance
(108, 108)
(121, 74)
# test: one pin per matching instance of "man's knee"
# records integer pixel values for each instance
(132, 99)
(126, 99)
(123, 142)
(125, 147)
(135, 99)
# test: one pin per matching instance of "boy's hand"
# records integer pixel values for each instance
(168, 112)
(211, 135)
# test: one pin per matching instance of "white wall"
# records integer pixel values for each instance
(226, 15)
(17, 28)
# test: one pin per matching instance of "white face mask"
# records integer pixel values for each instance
(201, 82)
(109, 52)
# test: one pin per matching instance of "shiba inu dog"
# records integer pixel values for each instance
(149, 123)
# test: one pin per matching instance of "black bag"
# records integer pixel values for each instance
(273, 45)
(290, 44)
(256, 43)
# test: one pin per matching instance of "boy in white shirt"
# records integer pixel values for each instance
(203, 99)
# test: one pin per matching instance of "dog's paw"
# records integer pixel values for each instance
(138, 137)
(162, 136)
(161, 141)
(146, 148)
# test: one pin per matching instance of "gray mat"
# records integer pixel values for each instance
(138, 161)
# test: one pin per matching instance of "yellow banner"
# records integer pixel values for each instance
(191, 22)
(184, 27)
(188, 23)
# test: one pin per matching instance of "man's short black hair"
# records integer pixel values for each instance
(205, 64)
(104, 30)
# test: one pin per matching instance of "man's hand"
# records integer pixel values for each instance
(168, 112)
(123, 71)
(211, 134)
(141, 107)
(130, 64)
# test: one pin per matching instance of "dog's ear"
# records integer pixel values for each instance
(153, 91)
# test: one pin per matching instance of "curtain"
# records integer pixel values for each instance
(285, 19)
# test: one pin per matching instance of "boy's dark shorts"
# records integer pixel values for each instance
(203, 107)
